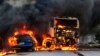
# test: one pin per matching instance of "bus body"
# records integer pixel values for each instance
(66, 31)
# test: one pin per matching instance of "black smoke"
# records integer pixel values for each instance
(96, 16)
(81, 9)
(1, 1)
(39, 15)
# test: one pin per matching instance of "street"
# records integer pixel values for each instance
(57, 53)
(90, 53)
(45, 53)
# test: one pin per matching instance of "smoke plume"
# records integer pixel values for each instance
(95, 16)
(38, 15)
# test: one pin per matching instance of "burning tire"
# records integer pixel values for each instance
(48, 44)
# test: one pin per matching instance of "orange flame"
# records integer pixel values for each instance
(45, 37)
(48, 38)
(12, 40)
(2, 53)
(73, 47)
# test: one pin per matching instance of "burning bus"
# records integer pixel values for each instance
(66, 31)
(64, 35)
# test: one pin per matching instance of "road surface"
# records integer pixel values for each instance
(45, 53)
(90, 53)
(57, 53)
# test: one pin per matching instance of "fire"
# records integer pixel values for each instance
(12, 40)
(2, 53)
(50, 40)
(11, 52)
(61, 26)
(53, 46)
(73, 47)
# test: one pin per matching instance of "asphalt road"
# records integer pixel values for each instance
(57, 53)
(45, 53)
(90, 53)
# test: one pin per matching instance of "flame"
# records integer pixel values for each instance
(61, 26)
(54, 46)
(45, 40)
(45, 37)
(48, 39)
(2, 53)
(11, 51)
(12, 40)
(73, 47)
